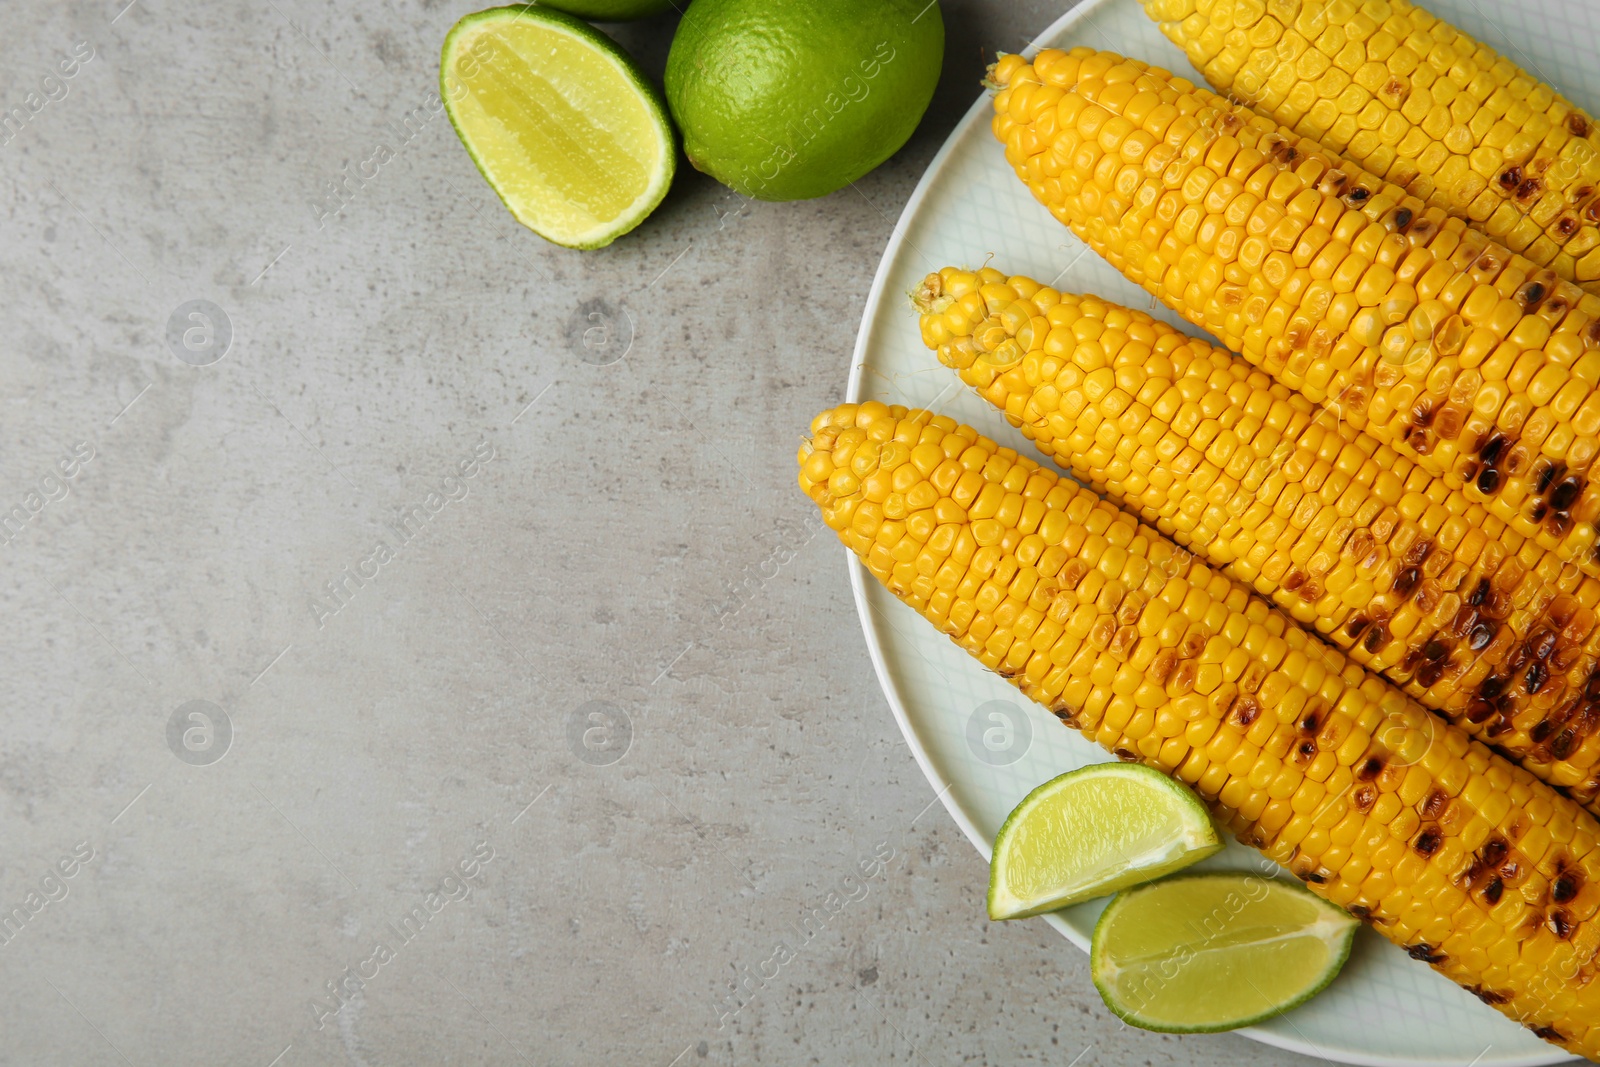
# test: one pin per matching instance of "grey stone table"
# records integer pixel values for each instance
(356, 591)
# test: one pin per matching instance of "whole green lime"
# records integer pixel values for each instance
(789, 99)
(614, 10)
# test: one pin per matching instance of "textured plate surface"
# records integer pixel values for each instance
(983, 745)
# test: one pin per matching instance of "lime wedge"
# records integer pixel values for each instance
(1094, 831)
(1215, 951)
(560, 122)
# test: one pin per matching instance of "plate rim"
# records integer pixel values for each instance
(859, 576)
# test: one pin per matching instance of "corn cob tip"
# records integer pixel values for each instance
(999, 74)
(930, 297)
(989, 80)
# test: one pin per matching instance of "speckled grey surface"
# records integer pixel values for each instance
(629, 545)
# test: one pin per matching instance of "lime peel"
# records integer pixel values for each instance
(1091, 832)
(793, 99)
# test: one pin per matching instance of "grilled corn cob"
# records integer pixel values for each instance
(1463, 859)
(1411, 578)
(1436, 341)
(1415, 100)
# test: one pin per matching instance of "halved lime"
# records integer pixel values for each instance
(1091, 832)
(561, 123)
(1216, 951)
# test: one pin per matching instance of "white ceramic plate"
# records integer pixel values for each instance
(982, 745)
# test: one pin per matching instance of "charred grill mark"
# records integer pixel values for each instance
(1402, 219)
(1564, 888)
(1564, 743)
(1566, 226)
(1306, 750)
(1356, 625)
(1510, 178)
(1479, 594)
(1126, 756)
(1493, 890)
(1407, 580)
(1064, 713)
(1490, 996)
(1530, 188)
(1418, 553)
(1427, 597)
(1491, 451)
(1480, 635)
(1429, 673)
(1488, 481)
(1245, 711)
(1548, 1033)
(1537, 675)
(1356, 197)
(1371, 769)
(1434, 805)
(1560, 924)
(1577, 125)
(1426, 953)
(1364, 797)
(1377, 637)
(1360, 911)
(1309, 724)
(1428, 841)
(1566, 494)
(1491, 687)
